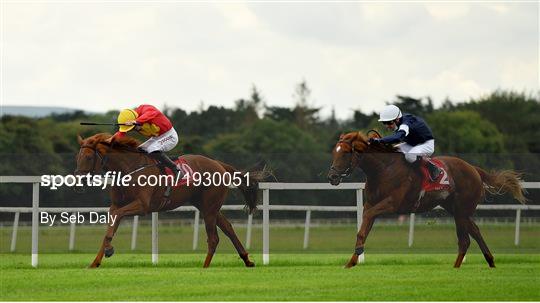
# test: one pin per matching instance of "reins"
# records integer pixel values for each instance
(104, 158)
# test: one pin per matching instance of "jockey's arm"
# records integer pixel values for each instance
(115, 136)
(397, 137)
(119, 135)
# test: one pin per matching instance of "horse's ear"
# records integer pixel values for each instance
(80, 139)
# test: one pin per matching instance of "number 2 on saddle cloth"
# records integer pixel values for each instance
(443, 180)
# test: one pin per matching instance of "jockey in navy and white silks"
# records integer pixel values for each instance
(413, 133)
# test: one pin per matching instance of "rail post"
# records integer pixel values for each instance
(196, 229)
(134, 231)
(14, 232)
(248, 231)
(518, 223)
(154, 238)
(411, 229)
(266, 226)
(35, 223)
(306, 229)
(72, 235)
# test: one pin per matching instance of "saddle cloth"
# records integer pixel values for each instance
(186, 169)
(442, 182)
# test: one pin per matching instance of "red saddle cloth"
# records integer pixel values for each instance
(442, 182)
(186, 169)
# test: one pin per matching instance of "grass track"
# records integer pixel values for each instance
(288, 277)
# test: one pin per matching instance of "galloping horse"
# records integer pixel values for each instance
(393, 186)
(121, 155)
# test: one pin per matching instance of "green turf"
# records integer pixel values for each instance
(403, 277)
(393, 271)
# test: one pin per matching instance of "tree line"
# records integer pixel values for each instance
(498, 130)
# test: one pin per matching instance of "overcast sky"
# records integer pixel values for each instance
(111, 55)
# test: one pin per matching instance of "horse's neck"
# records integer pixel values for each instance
(370, 165)
(375, 163)
(126, 161)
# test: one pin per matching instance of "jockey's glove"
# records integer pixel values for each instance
(374, 140)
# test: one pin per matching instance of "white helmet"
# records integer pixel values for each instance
(390, 113)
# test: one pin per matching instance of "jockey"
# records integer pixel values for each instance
(151, 123)
(413, 133)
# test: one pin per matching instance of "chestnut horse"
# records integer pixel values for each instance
(393, 186)
(121, 155)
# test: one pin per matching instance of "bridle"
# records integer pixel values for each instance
(355, 158)
(103, 158)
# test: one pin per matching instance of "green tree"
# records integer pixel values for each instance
(248, 110)
(465, 132)
(305, 116)
(292, 153)
(516, 115)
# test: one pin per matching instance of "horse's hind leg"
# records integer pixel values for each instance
(463, 238)
(228, 230)
(474, 231)
(212, 199)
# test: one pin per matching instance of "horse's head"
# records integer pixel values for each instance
(346, 153)
(91, 156)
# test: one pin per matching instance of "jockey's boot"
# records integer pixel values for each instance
(165, 160)
(433, 170)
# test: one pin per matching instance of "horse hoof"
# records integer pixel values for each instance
(109, 251)
(349, 265)
(94, 265)
(250, 264)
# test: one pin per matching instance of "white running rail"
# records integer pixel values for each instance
(266, 207)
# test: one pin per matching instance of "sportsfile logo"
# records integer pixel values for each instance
(235, 179)
(110, 178)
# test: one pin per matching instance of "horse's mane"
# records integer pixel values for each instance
(125, 142)
(378, 148)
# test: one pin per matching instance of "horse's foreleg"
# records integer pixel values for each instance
(228, 230)
(97, 261)
(385, 206)
(365, 228)
(106, 249)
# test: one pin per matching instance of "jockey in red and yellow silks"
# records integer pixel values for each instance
(151, 123)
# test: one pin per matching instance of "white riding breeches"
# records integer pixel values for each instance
(164, 142)
(411, 152)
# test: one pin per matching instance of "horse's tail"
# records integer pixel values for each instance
(502, 182)
(250, 183)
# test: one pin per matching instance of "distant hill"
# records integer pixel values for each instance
(34, 111)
